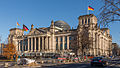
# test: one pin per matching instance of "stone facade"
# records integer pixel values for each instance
(102, 40)
(57, 38)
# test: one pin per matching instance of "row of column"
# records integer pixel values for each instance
(83, 21)
(42, 43)
(100, 45)
(63, 43)
(39, 43)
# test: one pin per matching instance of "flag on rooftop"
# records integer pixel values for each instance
(25, 28)
(90, 8)
(18, 24)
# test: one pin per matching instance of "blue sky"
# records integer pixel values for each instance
(41, 12)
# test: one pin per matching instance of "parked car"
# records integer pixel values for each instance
(61, 59)
(99, 61)
(23, 61)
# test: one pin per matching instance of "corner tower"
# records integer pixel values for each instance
(87, 20)
(14, 33)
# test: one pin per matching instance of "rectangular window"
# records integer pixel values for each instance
(88, 20)
(21, 45)
(26, 44)
(44, 42)
(61, 46)
(30, 43)
(33, 44)
(61, 39)
(56, 46)
(36, 43)
(65, 38)
(40, 43)
(56, 43)
(65, 45)
(48, 42)
(70, 40)
(56, 39)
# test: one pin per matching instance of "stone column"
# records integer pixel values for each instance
(28, 44)
(84, 21)
(46, 43)
(43, 43)
(63, 43)
(97, 44)
(31, 44)
(35, 43)
(103, 45)
(98, 49)
(67, 42)
(17, 45)
(87, 20)
(100, 44)
(80, 21)
(54, 44)
(39, 44)
(50, 43)
(94, 44)
(58, 43)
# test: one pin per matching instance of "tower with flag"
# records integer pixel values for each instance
(89, 8)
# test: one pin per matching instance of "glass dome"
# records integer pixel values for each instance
(62, 24)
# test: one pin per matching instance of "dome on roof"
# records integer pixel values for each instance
(62, 24)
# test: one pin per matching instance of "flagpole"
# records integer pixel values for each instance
(87, 11)
(16, 28)
(16, 25)
(87, 7)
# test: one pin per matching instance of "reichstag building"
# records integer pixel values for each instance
(57, 37)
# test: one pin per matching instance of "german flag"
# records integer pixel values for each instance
(18, 24)
(90, 8)
(25, 28)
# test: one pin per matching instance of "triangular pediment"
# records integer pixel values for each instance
(35, 32)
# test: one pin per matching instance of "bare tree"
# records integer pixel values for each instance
(73, 44)
(81, 42)
(85, 40)
(9, 51)
(109, 12)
